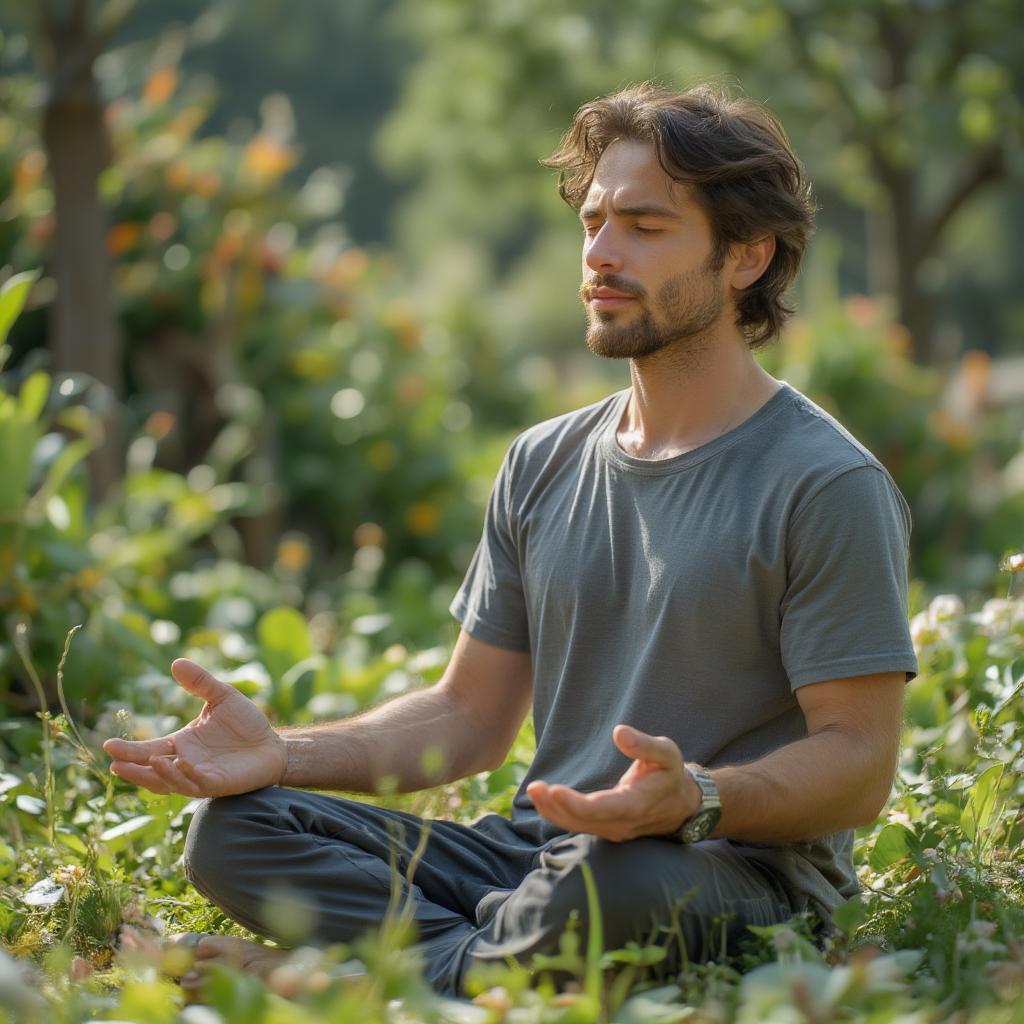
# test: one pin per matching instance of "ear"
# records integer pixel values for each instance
(752, 259)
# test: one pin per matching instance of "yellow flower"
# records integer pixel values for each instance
(422, 518)
(293, 554)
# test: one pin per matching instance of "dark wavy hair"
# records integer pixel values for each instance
(733, 154)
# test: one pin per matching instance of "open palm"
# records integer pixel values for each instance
(229, 748)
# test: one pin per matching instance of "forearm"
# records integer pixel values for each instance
(421, 739)
(832, 780)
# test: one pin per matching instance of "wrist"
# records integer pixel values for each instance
(705, 806)
(293, 751)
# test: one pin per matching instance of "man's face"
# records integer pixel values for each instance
(648, 276)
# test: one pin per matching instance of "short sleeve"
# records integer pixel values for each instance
(844, 612)
(490, 605)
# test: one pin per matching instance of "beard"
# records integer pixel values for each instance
(684, 308)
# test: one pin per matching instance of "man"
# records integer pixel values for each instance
(699, 583)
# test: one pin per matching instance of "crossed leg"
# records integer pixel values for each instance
(300, 866)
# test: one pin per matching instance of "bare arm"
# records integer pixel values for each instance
(466, 723)
(838, 777)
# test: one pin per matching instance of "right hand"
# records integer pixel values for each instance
(229, 748)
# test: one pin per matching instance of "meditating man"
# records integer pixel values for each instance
(699, 585)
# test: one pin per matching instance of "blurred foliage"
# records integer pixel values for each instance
(958, 465)
(260, 342)
(905, 109)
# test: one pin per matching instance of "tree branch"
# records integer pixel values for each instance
(988, 166)
(840, 88)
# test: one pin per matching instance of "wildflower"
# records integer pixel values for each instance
(70, 875)
(1013, 563)
(784, 939)
(925, 631)
(1000, 615)
(945, 607)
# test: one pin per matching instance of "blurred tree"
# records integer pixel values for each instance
(908, 109)
(85, 337)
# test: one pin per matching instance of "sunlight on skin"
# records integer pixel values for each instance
(653, 797)
(232, 951)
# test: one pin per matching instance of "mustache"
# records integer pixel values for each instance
(612, 281)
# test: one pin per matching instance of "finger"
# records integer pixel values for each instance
(604, 805)
(173, 777)
(139, 751)
(200, 683)
(191, 772)
(139, 775)
(658, 749)
(571, 822)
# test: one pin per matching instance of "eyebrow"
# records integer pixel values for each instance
(645, 210)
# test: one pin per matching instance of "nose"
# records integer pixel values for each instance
(600, 253)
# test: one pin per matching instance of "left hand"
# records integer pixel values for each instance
(654, 796)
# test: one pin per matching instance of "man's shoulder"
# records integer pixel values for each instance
(814, 450)
(566, 433)
(812, 439)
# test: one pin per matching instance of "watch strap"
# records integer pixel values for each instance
(702, 822)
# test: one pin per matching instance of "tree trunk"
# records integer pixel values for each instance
(913, 305)
(85, 335)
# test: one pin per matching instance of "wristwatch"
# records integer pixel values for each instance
(702, 822)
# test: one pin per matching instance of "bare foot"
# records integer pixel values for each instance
(229, 950)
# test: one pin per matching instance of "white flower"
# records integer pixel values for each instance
(924, 631)
(1000, 615)
(945, 607)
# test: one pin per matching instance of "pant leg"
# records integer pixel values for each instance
(300, 866)
(696, 900)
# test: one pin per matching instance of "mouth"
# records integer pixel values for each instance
(608, 298)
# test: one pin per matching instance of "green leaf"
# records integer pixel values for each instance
(33, 397)
(117, 836)
(297, 685)
(893, 844)
(284, 639)
(12, 299)
(982, 802)
(850, 915)
(61, 468)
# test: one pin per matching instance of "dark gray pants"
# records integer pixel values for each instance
(475, 897)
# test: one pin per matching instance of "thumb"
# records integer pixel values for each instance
(196, 680)
(636, 744)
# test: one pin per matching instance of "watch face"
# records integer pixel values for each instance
(701, 824)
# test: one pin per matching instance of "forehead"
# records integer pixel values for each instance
(628, 173)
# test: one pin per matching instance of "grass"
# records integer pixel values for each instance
(936, 936)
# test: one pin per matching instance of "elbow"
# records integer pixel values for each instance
(875, 801)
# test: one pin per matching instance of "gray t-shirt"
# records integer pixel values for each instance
(691, 596)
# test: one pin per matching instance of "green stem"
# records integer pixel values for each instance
(21, 645)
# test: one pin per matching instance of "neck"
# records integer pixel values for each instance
(685, 397)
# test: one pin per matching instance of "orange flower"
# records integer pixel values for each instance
(160, 86)
(123, 237)
(293, 554)
(178, 176)
(160, 424)
(28, 170)
(207, 184)
(266, 159)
